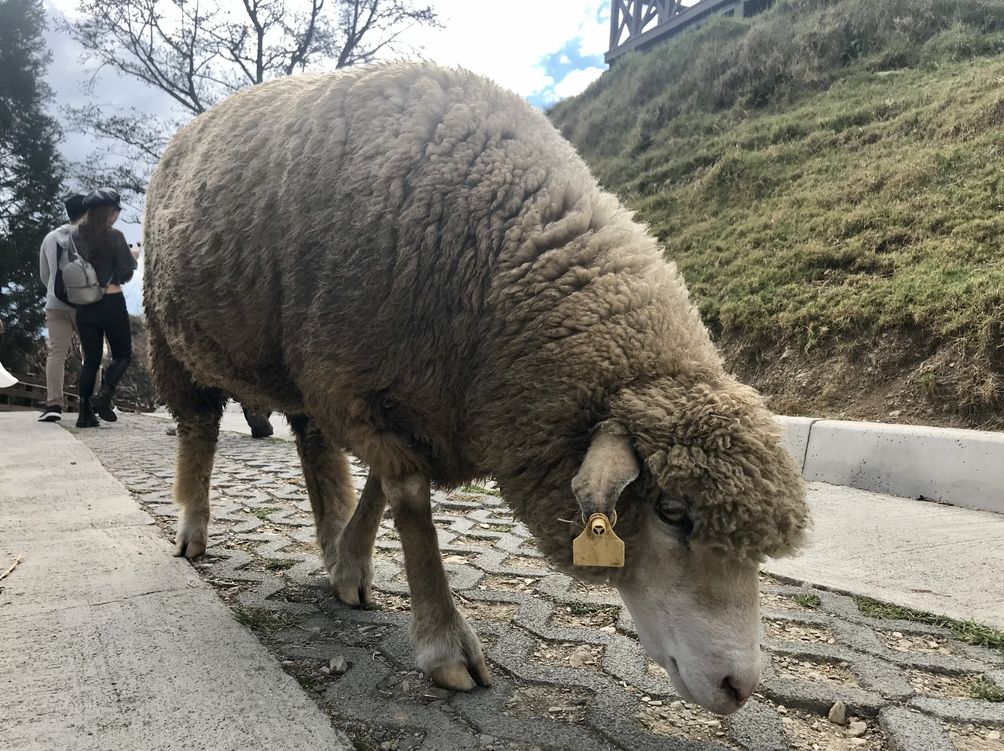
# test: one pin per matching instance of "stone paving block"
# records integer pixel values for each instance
(961, 710)
(265, 563)
(913, 731)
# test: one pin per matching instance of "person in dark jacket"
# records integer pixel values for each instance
(105, 248)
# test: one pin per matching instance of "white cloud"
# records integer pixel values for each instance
(595, 34)
(509, 45)
(576, 81)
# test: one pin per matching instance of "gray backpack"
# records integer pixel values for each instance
(76, 280)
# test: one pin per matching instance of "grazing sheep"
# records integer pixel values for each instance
(413, 265)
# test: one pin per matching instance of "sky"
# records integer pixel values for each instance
(545, 50)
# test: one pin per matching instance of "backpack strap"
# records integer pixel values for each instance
(76, 254)
(71, 247)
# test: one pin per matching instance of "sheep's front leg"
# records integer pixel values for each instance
(447, 648)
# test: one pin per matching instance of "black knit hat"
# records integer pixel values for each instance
(102, 197)
(74, 204)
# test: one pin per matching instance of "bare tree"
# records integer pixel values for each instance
(199, 51)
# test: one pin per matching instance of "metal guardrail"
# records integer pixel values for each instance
(29, 393)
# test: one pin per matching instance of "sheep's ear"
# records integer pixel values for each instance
(609, 467)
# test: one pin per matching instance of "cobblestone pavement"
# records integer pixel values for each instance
(569, 672)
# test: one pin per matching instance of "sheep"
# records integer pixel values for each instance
(413, 265)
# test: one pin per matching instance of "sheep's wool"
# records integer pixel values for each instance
(417, 259)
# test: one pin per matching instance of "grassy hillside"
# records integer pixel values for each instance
(829, 177)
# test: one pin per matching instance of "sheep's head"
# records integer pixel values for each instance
(704, 491)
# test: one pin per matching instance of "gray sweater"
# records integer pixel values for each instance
(119, 270)
(47, 265)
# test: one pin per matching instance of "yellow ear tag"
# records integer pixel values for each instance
(598, 545)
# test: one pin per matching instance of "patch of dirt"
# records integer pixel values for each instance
(678, 719)
(237, 543)
(391, 602)
(308, 674)
(492, 527)
(807, 732)
(896, 378)
(459, 558)
(470, 541)
(938, 684)
(603, 617)
(508, 583)
(270, 566)
(974, 737)
(389, 555)
(302, 547)
(777, 602)
(480, 610)
(924, 643)
(792, 631)
(813, 672)
(565, 654)
(524, 561)
(371, 737)
(582, 588)
(558, 704)
(228, 590)
(307, 594)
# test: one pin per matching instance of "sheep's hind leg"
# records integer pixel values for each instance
(447, 648)
(198, 410)
(197, 435)
(332, 496)
(352, 574)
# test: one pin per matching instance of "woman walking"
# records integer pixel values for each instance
(105, 248)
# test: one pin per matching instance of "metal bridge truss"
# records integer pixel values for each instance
(637, 23)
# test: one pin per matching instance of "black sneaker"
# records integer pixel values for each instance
(101, 403)
(52, 413)
(86, 418)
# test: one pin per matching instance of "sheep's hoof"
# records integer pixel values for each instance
(449, 652)
(192, 536)
(351, 580)
(462, 676)
(353, 595)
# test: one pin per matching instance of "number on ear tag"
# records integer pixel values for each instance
(598, 545)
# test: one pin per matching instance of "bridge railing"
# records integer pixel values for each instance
(635, 24)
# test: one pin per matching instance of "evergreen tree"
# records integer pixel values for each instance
(30, 176)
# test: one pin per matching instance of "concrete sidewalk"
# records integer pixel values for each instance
(918, 554)
(108, 641)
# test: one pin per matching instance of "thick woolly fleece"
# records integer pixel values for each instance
(417, 259)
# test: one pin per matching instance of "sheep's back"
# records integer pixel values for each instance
(349, 224)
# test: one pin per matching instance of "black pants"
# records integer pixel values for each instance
(109, 318)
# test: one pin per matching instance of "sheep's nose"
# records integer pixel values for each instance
(738, 689)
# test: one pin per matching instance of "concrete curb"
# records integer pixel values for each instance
(960, 467)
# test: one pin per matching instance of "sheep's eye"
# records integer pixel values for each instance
(675, 512)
